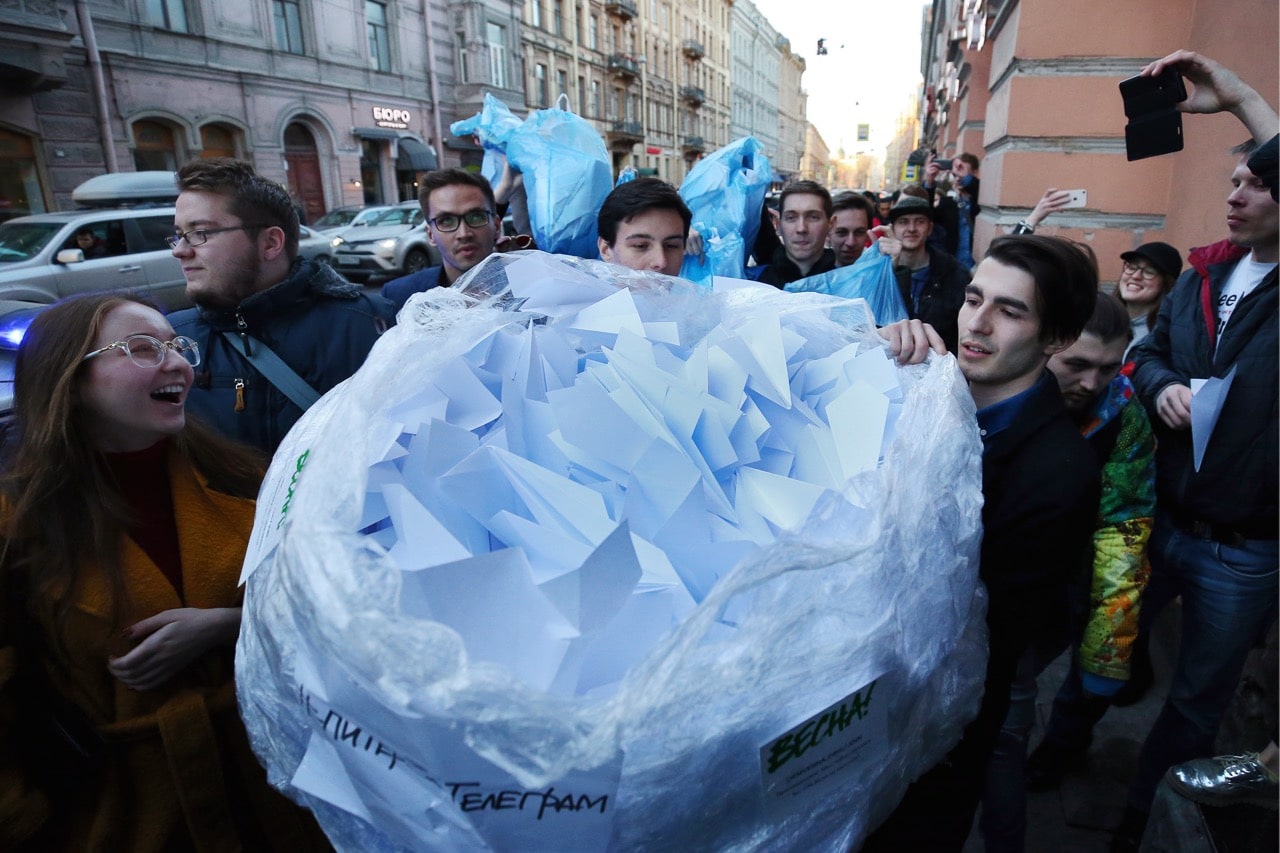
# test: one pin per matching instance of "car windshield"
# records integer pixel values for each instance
(395, 216)
(20, 241)
(335, 219)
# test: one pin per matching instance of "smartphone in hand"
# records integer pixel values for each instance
(1150, 103)
(1077, 198)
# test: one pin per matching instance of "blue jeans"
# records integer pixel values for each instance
(1228, 600)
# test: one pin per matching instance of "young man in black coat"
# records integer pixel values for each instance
(1029, 299)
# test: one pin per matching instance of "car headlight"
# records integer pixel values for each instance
(389, 243)
(336, 242)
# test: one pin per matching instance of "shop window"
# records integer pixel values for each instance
(20, 192)
(154, 147)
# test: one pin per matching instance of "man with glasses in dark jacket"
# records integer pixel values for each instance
(276, 331)
(461, 223)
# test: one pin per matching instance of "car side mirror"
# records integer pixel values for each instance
(70, 256)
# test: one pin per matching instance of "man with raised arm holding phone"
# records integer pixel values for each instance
(1217, 520)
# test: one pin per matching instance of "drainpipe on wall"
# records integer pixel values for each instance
(431, 79)
(99, 84)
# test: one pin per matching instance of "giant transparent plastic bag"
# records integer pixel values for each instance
(567, 175)
(725, 191)
(873, 586)
(870, 277)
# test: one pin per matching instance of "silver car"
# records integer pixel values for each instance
(367, 253)
(51, 255)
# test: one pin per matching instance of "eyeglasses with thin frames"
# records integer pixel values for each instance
(448, 222)
(1145, 272)
(146, 351)
(200, 236)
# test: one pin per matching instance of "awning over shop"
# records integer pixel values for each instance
(375, 133)
(415, 156)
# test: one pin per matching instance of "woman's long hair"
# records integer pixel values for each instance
(63, 511)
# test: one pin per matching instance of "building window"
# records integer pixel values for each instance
(464, 67)
(288, 26)
(540, 84)
(582, 96)
(535, 12)
(497, 55)
(558, 8)
(375, 15)
(217, 140)
(168, 14)
(19, 178)
(593, 33)
(595, 98)
(562, 83)
(153, 147)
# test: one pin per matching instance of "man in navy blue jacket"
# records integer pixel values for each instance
(1029, 299)
(462, 223)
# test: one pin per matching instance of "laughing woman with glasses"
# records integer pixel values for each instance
(124, 527)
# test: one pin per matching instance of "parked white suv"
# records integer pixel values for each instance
(376, 251)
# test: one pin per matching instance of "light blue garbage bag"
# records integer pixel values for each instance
(870, 277)
(567, 175)
(494, 125)
(725, 191)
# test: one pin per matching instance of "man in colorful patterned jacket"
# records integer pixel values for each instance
(1103, 404)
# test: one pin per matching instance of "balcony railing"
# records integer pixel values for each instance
(693, 94)
(694, 143)
(623, 9)
(693, 49)
(623, 65)
(628, 128)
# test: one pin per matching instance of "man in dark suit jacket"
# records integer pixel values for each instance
(1029, 299)
(462, 223)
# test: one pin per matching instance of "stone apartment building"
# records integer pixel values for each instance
(651, 75)
(347, 102)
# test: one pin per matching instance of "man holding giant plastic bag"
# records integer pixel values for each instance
(1029, 298)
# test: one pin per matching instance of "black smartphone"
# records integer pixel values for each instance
(1159, 93)
(1153, 135)
(944, 165)
(1150, 103)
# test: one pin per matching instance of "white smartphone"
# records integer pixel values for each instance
(1079, 198)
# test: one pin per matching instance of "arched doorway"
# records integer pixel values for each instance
(305, 183)
(154, 147)
(218, 140)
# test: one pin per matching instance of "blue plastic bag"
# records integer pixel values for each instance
(870, 277)
(627, 175)
(493, 126)
(725, 191)
(567, 175)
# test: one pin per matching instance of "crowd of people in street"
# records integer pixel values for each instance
(142, 439)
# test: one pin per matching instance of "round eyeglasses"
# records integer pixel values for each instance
(448, 222)
(146, 351)
(1145, 272)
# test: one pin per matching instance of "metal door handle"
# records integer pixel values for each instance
(129, 269)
